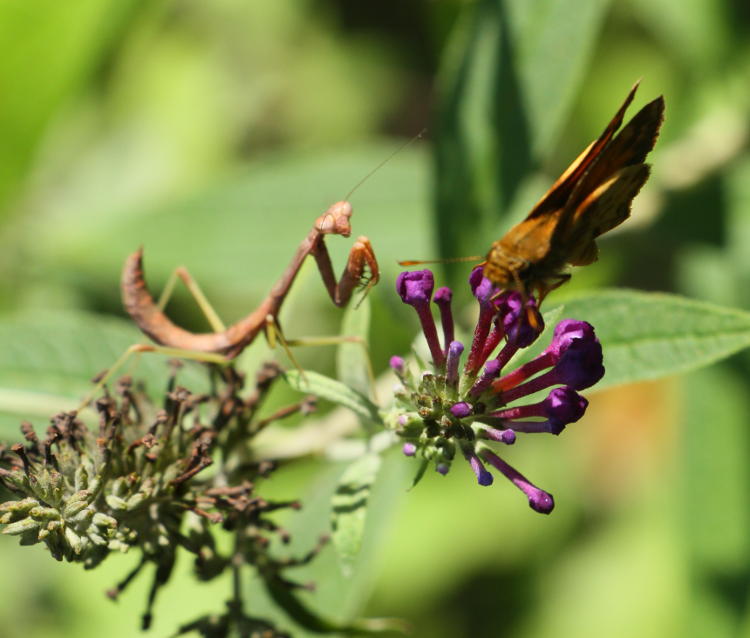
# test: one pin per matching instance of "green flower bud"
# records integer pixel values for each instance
(19, 527)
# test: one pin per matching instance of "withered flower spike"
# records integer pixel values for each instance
(27, 429)
(284, 413)
(202, 464)
(161, 419)
(21, 452)
(132, 487)
(226, 490)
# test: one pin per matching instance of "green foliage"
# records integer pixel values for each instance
(49, 52)
(349, 504)
(648, 336)
(353, 365)
(335, 391)
(48, 361)
(214, 134)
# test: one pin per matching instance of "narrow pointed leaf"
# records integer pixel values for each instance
(352, 358)
(335, 391)
(349, 509)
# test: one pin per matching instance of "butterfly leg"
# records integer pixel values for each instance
(551, 284)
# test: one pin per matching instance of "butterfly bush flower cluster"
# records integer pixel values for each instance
(466, 404)
(139, 481)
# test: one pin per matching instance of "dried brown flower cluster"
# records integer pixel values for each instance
(140, 481)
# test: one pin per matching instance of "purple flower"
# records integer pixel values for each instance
(446, 410)
(415, 288)
(506, 436)
(442, 300)
(397, 364)
(483, 476)
(502, 315)
(525, 326)
(490, 372)
(481, 287)
(539, 500)
(409, 449)
(574, 356)
(567, 331)
(455, 350)
(461, 410)
(561, 407)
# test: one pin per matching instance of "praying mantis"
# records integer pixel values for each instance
(226, 343)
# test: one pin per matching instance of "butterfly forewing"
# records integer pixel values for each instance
(560, 192)
(606, 207)
(591, 197)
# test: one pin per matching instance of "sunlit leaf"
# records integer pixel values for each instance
(353, 365)
(47, 363)
(349, 509)
(338, 598)
(335, 391)
(651, 335)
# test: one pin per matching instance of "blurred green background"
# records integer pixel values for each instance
(213, 134)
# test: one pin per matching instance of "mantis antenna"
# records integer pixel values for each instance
(404, 146)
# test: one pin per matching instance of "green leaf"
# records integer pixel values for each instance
(47, 363)
(47, 51)
(548, 79)
(335, 391)
(508, 82)
(337, 600)
(349, 509)
(353, 365)
(420, 472)
(652, 335)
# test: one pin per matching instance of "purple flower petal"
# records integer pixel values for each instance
(581, 364)
(567, 331)
(415, 287)
(539, 500)
(483, 476)
(563, 406)
(409, 449)
(461, 410)
(455, 350)
(481, 287)
(397, 364)
(442, 300)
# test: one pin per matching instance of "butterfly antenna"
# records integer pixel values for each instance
(405, 145)
(447, 260)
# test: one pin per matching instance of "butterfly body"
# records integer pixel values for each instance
(591, 197)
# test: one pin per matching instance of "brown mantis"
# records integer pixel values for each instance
(224, 344)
